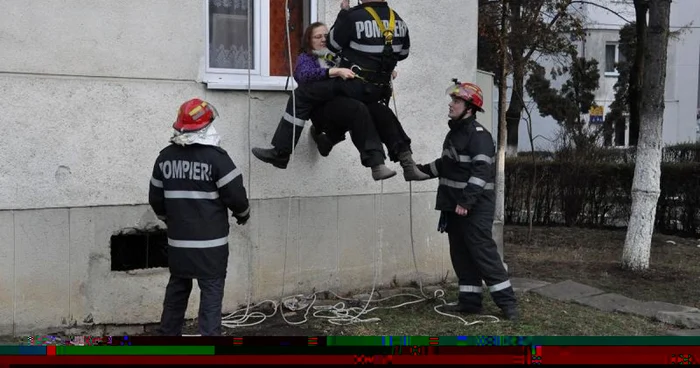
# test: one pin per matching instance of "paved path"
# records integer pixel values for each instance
(687, 318)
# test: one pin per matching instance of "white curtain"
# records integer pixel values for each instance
(229, 22)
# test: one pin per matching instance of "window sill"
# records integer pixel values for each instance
(257, 83)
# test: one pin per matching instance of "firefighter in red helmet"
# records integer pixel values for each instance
(466, 201)
(194, 185)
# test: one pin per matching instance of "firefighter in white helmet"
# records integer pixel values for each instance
(466, 201)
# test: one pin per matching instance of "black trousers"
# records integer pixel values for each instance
(475, 257)
(390, 130)
(309, 96)
(344, 114)
(177, 293)
(385, 122)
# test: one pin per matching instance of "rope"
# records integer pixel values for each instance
(339, 313)
(234, 320)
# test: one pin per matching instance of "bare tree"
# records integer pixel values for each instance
(502, 127)
(653, 42)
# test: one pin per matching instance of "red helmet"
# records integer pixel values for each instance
(194, 115)
(469, 92)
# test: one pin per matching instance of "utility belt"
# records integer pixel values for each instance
(367, 75)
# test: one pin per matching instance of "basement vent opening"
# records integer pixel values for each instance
(139, 249)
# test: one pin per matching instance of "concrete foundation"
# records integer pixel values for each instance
(55, 263)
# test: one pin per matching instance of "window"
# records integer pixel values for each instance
(134, 249)
(612, 57)
(250, 36)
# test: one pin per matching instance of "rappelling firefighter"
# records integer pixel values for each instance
(369, 39)
(466, 201)
(194, 185)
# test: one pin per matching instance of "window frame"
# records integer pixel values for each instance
(260, 78)
(614, 73)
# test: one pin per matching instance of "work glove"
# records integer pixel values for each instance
(164, 219)
(442, 223)
(243, 219)
(425, 169)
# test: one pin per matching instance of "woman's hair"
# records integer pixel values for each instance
(308, 33)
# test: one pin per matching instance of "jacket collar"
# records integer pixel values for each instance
(457, 124)
(382, 4)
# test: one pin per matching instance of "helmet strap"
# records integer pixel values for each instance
(467, 106)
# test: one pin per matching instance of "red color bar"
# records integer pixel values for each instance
(478, 350)
(434, 340)
(176, 360)
(617, 354)
(51, 350)
(264, 359)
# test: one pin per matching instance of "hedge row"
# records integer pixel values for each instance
(598, 194)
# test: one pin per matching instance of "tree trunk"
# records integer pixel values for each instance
(502, 132)
(517, 52)
(515, 108)
(608, 132)
(647, 173)
(637, 74)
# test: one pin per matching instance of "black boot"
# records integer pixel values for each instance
(271, 156)
(461, 308)
(323, 143)
(511, 313)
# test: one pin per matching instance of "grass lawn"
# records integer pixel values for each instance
(553, 254)
(592, 257)
(540, 316)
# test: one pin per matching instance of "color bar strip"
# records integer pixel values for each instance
(135, 350)
(614, 340)
(354, 341)
(619, 354)
(22, 350)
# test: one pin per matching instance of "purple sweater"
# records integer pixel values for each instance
(308, 69)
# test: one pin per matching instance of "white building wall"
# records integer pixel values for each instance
(90, 89)
(685, 14)
(681, 78)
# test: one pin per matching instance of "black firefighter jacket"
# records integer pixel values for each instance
(466, 169)
(192, 189)
(356, 36)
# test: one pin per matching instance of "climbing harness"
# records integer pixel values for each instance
(389, 59)
(339, 313)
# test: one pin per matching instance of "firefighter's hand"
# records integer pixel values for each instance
(461, 210)
(425, 169)
(345, 4)
(344, 73)
(394, 74)
(243, 220)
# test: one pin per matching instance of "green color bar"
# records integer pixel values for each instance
(417, 340)
(613, 340)
(9, 350)
(353, 341)
(134, 350)
(22, 350)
